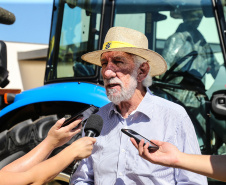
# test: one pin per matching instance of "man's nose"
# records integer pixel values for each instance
(109, 71)
(109, 74)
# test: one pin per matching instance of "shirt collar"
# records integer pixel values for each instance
(112, 110)
(144, 106)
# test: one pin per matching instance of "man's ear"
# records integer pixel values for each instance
(143, 71)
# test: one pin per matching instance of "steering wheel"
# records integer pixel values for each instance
(192, 55)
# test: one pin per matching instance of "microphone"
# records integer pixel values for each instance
(6, 17)
(92, 128)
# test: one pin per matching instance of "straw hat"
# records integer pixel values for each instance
(130, 41)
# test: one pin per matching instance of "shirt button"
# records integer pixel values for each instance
(123, 150)
(120, 174)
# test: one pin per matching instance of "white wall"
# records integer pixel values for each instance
(13, 64)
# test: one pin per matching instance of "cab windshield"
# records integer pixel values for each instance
(79, 34)
(74, 41)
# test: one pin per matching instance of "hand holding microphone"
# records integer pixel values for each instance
(82, 148)
(35, 168)
(92, 128)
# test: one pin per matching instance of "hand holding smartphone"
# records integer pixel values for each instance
(131, 133)
(84, 113)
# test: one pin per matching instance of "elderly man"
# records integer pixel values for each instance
(127, 67)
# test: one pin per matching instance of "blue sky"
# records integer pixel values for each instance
(33, 19)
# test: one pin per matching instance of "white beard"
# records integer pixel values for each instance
(116, 96)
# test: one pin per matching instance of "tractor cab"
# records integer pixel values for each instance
(187, 33)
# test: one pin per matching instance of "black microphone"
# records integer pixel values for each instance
(6, 17)
(92, 128)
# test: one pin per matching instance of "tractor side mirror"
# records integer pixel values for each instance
(3, 65)
(218, 103)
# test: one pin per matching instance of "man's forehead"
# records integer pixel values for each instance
(116, 54)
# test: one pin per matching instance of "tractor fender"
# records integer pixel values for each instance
(69, 91)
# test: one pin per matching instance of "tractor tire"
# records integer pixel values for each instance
(24, 136)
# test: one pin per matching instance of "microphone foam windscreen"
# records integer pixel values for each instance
(6, 17)
(94, 123)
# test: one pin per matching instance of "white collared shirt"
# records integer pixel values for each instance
(116, 161)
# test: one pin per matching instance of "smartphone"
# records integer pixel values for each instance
(131, 133)
(84, 113)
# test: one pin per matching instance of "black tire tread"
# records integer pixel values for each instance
(23, 136)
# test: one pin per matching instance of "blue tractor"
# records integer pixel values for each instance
(189, 34)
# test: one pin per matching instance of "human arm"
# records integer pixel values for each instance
(57, 136)
(48, 169)
(169, 155)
